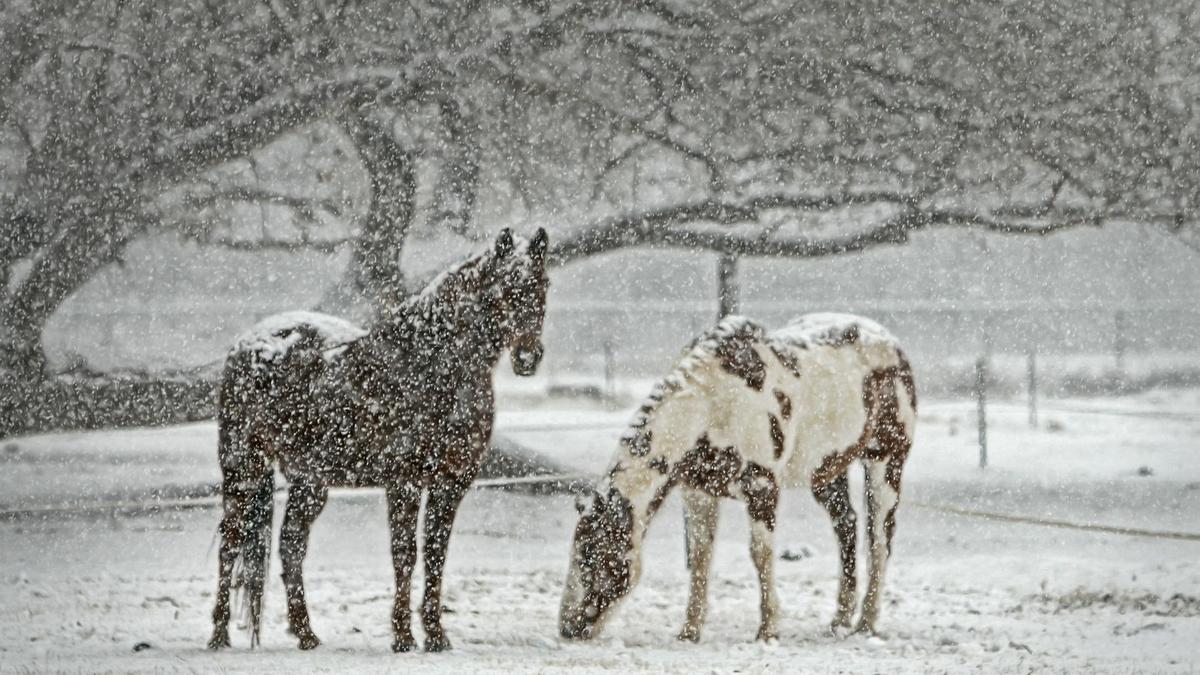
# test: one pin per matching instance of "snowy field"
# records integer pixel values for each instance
(965, 593)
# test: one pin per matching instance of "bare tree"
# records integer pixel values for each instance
(748, 128)
(811, 133)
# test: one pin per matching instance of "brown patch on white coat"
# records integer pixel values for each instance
(785, 405)
(879, 437)
(786, 359)
(850, 366)
(737, 356)
(604, 572)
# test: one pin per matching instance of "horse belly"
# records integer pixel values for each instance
(351, 465)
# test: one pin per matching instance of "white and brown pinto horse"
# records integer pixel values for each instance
(745, 413)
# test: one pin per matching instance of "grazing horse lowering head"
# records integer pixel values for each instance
(604, 565)
(521, 298)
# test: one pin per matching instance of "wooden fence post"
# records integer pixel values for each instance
(1119, 340)
(610, 385)
(1031, 371)
(981, 409)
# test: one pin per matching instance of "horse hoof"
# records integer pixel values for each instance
(219, 641)
(839, 629)
(437, 643)
(767, 636)
(309, 641)
(689, 635)
(864, 629)
(404, 645)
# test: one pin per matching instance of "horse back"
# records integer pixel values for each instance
(844, 390)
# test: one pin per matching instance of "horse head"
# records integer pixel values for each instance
(603, 564)
(521, 295)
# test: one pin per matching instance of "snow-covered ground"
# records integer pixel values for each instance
(964, 593)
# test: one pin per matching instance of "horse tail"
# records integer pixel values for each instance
(255, 555)
(905, 373)
(248, 490)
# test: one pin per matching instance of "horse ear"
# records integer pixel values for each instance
(504, 243)
(537, 247)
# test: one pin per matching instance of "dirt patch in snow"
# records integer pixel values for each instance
(1177, 605)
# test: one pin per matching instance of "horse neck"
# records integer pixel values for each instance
(473, 334)
(431, 333)
(674, 423)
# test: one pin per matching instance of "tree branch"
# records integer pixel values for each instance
(668, 227)
(244, 132)
(264, 244)
(305, 206)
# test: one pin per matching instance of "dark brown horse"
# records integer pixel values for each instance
(407, 406)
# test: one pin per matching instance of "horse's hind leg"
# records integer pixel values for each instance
(882, 498)
(835, 497)
(236, 500)
(242, 467)
(305, 502)
(882, 485)
(881, 501)
(403, 503)
(701, 511)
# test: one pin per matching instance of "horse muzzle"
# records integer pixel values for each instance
(525, 360)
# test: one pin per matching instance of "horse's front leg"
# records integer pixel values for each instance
(761, 492)
(403, 503)
(700, 516)
(762, 551)
(305, 502)
(441, 505)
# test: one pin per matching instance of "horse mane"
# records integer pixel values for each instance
(701, 351)
(444, 291)
(456, 282)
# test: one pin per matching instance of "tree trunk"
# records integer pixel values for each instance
(458, 180)
(92, 236)
(98, 231)
(374, 276)
(727, 286)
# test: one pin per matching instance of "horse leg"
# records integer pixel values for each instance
(403, 503)
(243, 466)
(701, 518)
(441, 505)
(762, 502)
(236, 500)
(835, 498)
(305, 502)
(881, 499)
